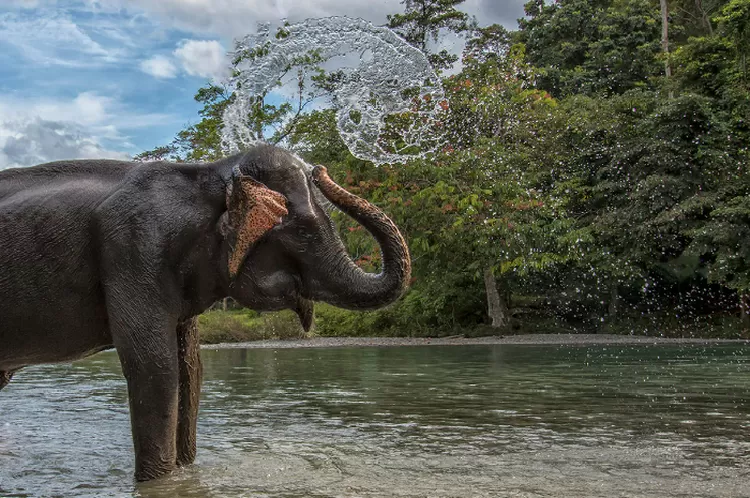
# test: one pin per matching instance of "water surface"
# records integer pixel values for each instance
(459, 421)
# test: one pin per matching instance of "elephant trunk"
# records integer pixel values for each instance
(343, 283)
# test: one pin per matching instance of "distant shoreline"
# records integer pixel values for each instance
(529, 339)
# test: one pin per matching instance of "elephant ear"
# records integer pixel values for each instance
(252, 210)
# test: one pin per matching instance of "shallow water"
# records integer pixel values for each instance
(459, 421)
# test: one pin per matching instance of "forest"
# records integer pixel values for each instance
(593, 175)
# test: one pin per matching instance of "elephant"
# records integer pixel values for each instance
(101, 254)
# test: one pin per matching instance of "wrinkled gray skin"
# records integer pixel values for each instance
(97, 254)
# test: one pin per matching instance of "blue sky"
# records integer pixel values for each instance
(111, 78)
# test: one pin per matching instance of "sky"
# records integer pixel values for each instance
(112, 78)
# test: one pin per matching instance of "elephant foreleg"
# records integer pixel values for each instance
(147, 347)
(5, 379)
(191, 373)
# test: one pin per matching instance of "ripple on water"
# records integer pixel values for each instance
(453, 421)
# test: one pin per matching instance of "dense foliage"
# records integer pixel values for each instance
(596, 176)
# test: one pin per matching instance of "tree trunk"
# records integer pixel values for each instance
(665, 37)
(497, 309)
(224, 303)
(705, 20)
(614, 300)
(745, 310)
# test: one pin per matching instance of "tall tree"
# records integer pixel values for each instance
(268, 122)
(693, 17)
(201, 141)
(584, 46)
(422, 22)
(665, 37)
(735, 24)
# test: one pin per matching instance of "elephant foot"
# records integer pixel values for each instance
(5, 379)
(147, 471)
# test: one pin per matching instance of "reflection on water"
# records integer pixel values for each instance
(424, 421)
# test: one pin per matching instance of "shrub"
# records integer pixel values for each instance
(246, 325)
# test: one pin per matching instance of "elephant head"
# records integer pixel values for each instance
(282, 249)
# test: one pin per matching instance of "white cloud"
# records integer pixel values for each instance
(53, 39)
(90, 125)
(87, 109)
(126, 35)
(230, 18)
(26, 4)
(91, 107)
(159, 67)
(35, 141)
(506, 12)
(204, 58)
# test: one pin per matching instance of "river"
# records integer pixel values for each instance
(434, 421)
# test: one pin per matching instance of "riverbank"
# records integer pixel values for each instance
(529, 339)
(243, 326)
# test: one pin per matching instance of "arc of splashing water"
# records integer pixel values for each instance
(371, 91)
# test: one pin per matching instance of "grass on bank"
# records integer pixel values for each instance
(240, 325)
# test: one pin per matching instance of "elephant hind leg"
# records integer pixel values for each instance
(191, 373)
(5, 378)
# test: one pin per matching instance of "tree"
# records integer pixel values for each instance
(569, 186)
(734, 22)
(267, 122)
(591, 47)
(199, 142)
(652, 173)
(693, 18)
(665, 37)
(202, 141)
(489, 43)
(715, 65)
(722, 241)
(423, 21)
